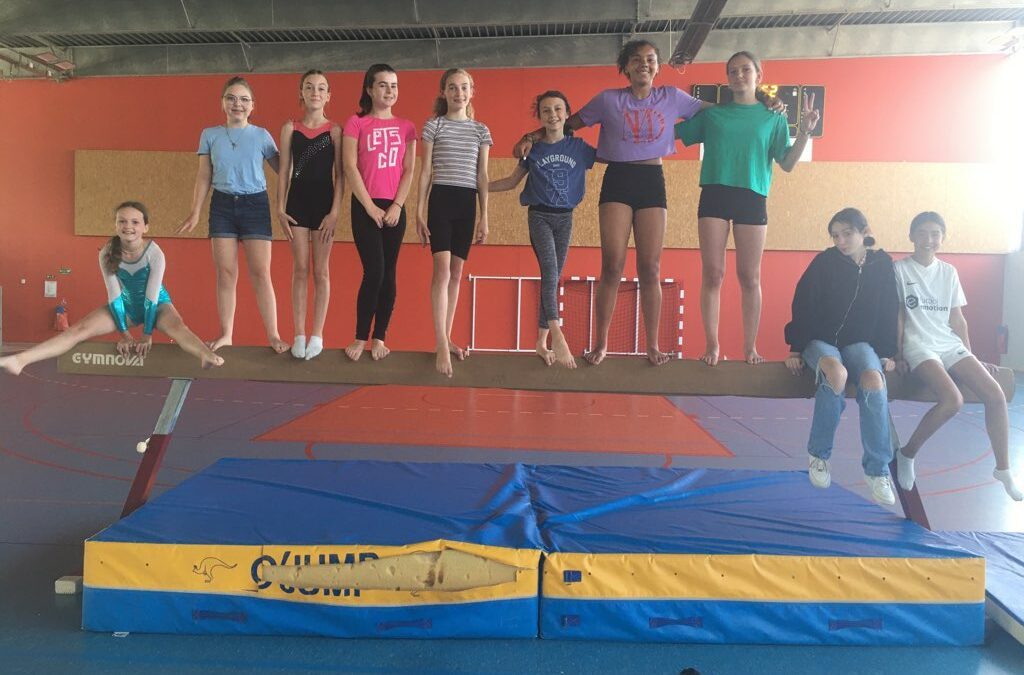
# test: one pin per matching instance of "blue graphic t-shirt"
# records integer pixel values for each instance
(557, 175)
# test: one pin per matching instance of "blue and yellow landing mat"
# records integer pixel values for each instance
(1004, 566)
(187, 562)
(629, 554)
(719, 556)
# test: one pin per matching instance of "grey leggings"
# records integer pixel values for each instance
(549, 235)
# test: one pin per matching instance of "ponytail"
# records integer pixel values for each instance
(112, 258)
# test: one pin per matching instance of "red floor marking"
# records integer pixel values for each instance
(965, 488)
(309, 450)
(515, 420)
(62, 467)
(26, 422)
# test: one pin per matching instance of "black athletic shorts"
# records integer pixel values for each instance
(451, 217)
(641, 186)
(739, 205)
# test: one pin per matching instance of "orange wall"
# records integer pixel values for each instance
(879, 109)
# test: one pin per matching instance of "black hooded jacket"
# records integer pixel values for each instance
(841, 303)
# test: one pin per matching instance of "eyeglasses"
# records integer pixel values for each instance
(232, 99)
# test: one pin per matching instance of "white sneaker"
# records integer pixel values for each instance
(881, 489)
(819, 473)
(905, 471)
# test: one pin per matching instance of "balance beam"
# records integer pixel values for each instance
(615, 375)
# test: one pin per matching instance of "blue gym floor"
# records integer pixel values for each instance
(67, 456)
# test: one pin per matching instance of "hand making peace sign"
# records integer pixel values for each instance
(809, 116)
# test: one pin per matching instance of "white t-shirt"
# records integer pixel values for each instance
(928, 294)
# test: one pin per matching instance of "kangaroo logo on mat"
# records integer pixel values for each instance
(94, 359)
(207, 565)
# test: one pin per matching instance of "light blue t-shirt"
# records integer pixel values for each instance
(557, 173)
(237, 157)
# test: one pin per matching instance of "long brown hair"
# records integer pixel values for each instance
(441, 103)
(112, 258)
(369, 79)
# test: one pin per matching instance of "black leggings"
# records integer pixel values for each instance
(378, 250)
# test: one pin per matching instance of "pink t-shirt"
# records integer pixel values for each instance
(635, 129)
(380, 152)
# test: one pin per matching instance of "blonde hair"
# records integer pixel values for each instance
(441, 103)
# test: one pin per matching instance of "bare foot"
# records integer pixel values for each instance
(378, 349)
(753, 357)
(11, 364)
(656, 356)
(211, 360)
(279, 345)
(710, 356)
(562, 354)
(222, 341)
(459, 352)
(545, 354)
(443, 362)
(355, 350)
(595, 356)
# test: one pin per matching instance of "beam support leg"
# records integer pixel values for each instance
(913, 507)
(145, 477)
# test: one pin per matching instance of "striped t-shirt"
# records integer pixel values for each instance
(456, 149)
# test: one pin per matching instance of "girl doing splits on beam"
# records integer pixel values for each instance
(741, 140)
(379, 152)
(231, 160)
(133, 271)
(452, 181)
(844, 327)
(936, 349)
(308, 202)
(556, 174)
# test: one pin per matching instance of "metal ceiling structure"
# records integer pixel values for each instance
(154, 37)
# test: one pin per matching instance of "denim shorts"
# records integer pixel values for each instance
(857, 358)
(240, 216)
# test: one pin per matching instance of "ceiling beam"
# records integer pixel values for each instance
(776, 43)
(700, 23)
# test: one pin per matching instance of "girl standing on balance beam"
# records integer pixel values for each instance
(379, 154)
(741, 141)
(452, 181)
(936, 348)
(556, 176)
(308, 202)
(133, 272)
(636, 133)
(231, 160)
(845, 311)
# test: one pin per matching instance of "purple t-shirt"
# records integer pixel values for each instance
(634, 129)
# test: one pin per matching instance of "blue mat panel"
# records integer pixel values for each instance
(191, 613)
(732, 622)
(1004, 574)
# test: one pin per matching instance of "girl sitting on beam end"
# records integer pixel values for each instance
(133, 271)
(844, 327)
(936, 349)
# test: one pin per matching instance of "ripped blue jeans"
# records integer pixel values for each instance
(828, 405)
